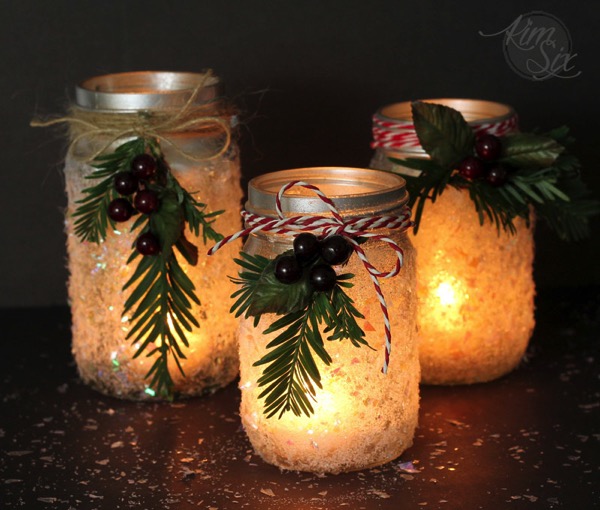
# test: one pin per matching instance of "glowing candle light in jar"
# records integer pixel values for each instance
(204, 160)
(362, 417)
(475, 286)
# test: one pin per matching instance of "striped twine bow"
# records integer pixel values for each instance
(326, 226)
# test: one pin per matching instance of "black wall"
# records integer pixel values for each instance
(308, 76)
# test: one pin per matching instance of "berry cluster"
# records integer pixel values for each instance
(317, 255)
(484, 165)
(146, 201)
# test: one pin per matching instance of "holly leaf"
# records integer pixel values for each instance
(272, 296)
(443, 133)
(522, 150)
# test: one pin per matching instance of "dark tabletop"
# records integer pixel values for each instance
(528, 440)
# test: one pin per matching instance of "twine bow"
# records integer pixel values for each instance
(144, 124)
(326, 226)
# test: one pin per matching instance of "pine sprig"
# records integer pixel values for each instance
(162, 300)
(92, 212)
(291, 376)
(541, 174)
(161, 294)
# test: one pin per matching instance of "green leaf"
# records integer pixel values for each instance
(530, 150)
(442, 132)
(272, 296)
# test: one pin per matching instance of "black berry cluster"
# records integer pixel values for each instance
(317, 257)
(142, 171)
(485, 166)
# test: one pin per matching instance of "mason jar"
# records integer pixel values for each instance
(362, 417)
(205, 161)
(475, 285)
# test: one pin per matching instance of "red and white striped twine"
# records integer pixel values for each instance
(325, 226)
(396, 134)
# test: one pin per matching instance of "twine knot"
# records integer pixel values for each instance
(148, 124)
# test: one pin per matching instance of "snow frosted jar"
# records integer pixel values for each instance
(327, 269)
(151, 175)
(474, 281)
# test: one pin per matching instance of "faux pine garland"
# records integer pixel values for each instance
(504, 177)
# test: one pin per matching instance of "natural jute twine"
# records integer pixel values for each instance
(157, 124)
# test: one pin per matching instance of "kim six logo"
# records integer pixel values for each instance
(538, 46)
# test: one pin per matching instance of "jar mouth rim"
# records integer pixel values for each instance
(145, 90)
(354, 191)
(475, 111)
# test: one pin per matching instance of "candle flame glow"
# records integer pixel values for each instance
(445, 292)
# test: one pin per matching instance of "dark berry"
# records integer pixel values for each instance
(143, 166)
(336, 250)
(322, 278)
(120, 209)
(147, 244)
(287, 269)
(146, 201)
(471, 168)
(496, 175)
(126, 183)
(488, 147)
(306, 247)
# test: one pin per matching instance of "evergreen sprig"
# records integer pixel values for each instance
(92, 220)
(541, 174)
(161, 293)
(291, 376)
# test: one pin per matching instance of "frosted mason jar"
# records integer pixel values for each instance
(362, 417)
(98, 272)
(475, 286)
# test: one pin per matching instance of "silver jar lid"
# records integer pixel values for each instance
(145, 90)
(354, 191)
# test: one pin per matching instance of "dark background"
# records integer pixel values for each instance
(308, 77)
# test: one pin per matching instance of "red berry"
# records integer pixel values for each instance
(306, 247)
(322, 278)
(471, 168)
(488, 147)
(335, 250)
(146, 201)
(143, 166)
(147, 244)
(496, 176)
(287, 269)
(120, 209)
(125, 183)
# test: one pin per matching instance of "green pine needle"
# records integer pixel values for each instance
(541, 175)
(291, 376)
(162, 295)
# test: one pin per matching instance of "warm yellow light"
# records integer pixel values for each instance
(475, 290)
(445, 292)
(97, 273)
(362, 418)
